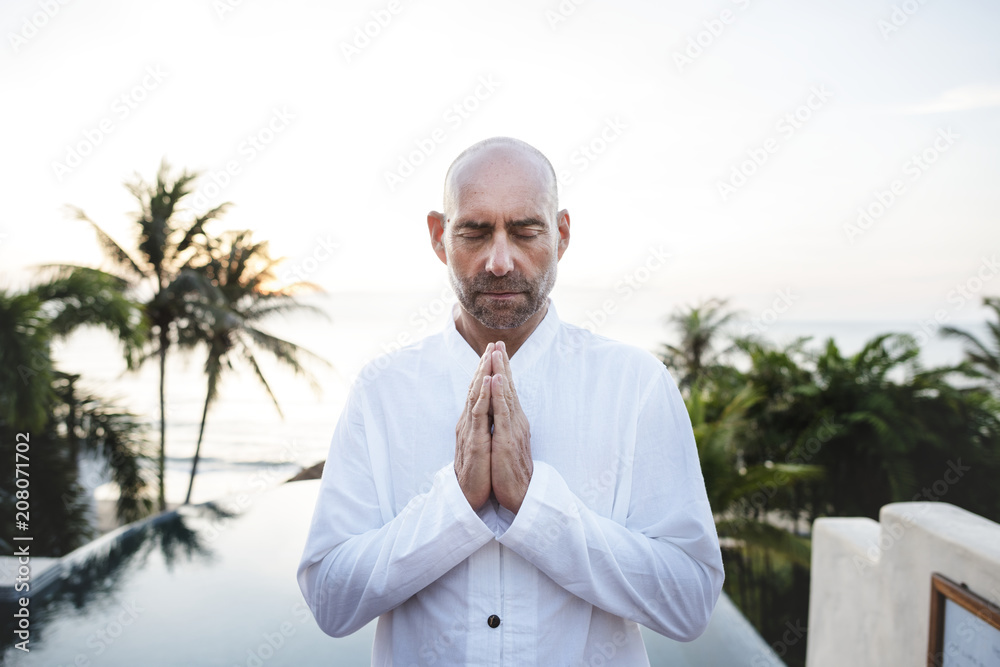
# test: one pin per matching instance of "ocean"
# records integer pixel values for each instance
(248, 448)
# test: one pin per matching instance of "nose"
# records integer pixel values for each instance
(499, 262)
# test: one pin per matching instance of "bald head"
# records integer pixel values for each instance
(498, 155)
(500, 235)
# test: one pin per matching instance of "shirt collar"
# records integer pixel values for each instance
(532, 348)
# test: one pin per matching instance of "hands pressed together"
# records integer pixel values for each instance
(492, 438)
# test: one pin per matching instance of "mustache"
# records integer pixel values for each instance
(487, 282)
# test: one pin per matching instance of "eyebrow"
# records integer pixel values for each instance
(526, 222)
(512, 224)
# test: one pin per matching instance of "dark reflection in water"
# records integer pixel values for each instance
(96, 571)
(211, 587)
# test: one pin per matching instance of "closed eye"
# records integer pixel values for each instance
(527, 228)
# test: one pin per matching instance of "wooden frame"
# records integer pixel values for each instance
(943, 589)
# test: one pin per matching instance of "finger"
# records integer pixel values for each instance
(500, 359)
(502, 346)
(484, 369)
(506, 365)
(488, 358)
(480, 409)
(501, 409)
(498, 365)
(486, 361)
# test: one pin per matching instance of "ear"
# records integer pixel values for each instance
(562, 222)
(435, 225)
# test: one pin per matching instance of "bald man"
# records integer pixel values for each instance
(513, 490)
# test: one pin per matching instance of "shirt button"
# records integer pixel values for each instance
(493, 621)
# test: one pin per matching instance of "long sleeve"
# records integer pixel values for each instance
(356, 564)
(663, 568)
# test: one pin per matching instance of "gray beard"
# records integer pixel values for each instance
(505, 316)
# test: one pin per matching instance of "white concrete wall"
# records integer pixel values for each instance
(869, 600)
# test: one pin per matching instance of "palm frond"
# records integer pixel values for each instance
(759, 535)
(249, 357)
(112, 250)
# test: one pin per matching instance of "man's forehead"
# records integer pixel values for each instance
(507, 204)
(480, 190)
(499, 173)
(500, 163)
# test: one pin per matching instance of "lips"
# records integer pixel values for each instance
(501, 295)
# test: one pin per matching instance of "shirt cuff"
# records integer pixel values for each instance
(535, 520)
(455, 499)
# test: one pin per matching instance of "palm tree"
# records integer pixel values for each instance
(41, 406)
(242, 272)
(26, 371)
(80, 296)
(982, 357)
(802, 433)
(756, 523)
(76, 297)
(163, 271)
(871, 395)
(699, 328)
(741, 494)
(892, 427)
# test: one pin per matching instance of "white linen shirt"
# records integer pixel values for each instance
(615, 528)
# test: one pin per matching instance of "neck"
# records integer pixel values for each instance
(479, 336)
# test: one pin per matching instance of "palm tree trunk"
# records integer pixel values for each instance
(767, 588)
(71, 421)
(197, 449)
(162, 463)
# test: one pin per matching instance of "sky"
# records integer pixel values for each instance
(821, 161)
